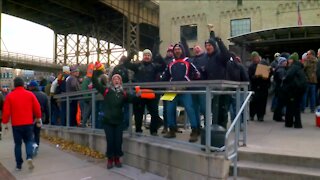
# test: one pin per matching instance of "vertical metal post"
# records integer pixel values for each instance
(245, 116)
(65, 57)
(93, 111)
(55, 50)
(239, 119)
(208, 118)
(68, 111)
(109, 53)
(98, 49)
(88, 49)
(77, 49)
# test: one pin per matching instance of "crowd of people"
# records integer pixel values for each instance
(295, 83)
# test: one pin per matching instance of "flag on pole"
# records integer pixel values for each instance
(299, 14)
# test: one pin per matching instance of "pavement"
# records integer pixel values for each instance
(52, 163)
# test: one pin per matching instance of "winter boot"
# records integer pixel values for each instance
(194, 135)
(171, 133)
(164, 131)
(117, 162)
(110, 163)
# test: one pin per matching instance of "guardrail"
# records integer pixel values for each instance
(209, 88)
(13, 57)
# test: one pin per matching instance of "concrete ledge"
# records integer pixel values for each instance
(155, 155)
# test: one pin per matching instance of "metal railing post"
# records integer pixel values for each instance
(208, 119)
(93, 111)
(245, 117)
(68, 111)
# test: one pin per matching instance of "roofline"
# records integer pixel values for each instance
(230, 38)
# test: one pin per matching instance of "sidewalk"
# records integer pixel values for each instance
(53, 163)
(272, 137)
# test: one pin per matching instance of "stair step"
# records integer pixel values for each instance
(289, 160)
(266, 171)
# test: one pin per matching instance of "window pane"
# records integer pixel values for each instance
(240, 26)
(189, 32)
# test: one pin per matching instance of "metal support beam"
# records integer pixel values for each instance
(77, 53)
(65, 57)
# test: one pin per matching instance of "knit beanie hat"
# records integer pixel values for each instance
(254, 54)
(281, 60)
(116, 76)
(74, 68)
(147, 51)
(210, 41)
(170, 48)
(99, 66)
(33, 83)
(304, 56)
(65, 69)
(294, 56)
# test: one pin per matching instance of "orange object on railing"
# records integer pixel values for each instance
(145, 93)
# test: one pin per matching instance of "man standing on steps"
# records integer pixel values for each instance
(21, 106)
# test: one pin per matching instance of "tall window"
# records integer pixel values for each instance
(189, 32)
(240, 26)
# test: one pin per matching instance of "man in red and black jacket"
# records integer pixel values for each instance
(22, 107)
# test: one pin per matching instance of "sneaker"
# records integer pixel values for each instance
(35, 149)
(30, 164)
(18, 168)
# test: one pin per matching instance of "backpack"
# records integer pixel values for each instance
(300, 81)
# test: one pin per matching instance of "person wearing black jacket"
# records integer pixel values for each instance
(216, 69)
(44, 104)
(260, 87)
(1, 105)
(146, 71)
(279, 92)
(295, 83)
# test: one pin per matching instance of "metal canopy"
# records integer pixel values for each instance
(283, 35)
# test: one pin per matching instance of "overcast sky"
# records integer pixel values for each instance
(26, 37)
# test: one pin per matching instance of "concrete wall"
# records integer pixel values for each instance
(263, 15)
(155, 155)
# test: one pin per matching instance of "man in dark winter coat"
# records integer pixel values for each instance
(295, 84)
(216, 69)
(44, 104)
(146, 71)
(260, 87)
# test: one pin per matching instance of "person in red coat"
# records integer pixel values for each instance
(22, 107)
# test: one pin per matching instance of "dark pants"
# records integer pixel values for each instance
(126, 116)
(36, 133)
(281, 102)
(152, 107)
(55, 111)
(220, 108)
(293, 116)
(63, 113)
(258, 103)
(199, 105)
(73, 113)
(99, 114)
(114, 140)
(24, 133)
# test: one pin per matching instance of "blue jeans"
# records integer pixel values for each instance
(186, 100)
(312, 91)
(199, 106)
(24, 133)
(233, 107)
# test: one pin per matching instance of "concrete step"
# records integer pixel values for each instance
(280, 159)
(266, 171)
